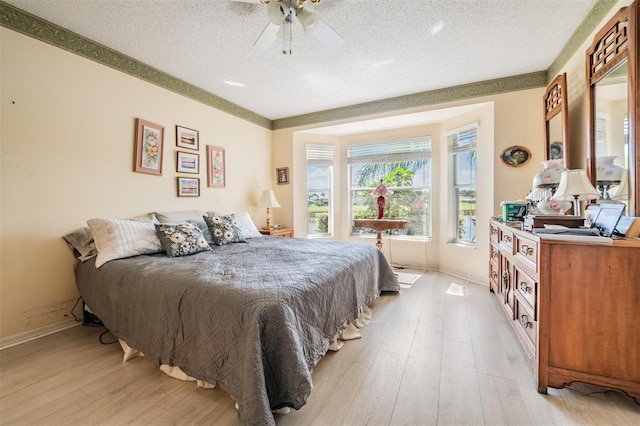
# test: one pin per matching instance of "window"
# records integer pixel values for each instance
(405, 168)
(319, 190)
(462, 154)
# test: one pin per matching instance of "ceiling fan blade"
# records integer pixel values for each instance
(267, 37)
(327, 35)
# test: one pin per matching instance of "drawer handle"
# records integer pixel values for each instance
(494, 275)
(505, 281)
(506, 238)
(526, 250)
(494, 231)
(494, 254)
(524, 287)
(524, 320)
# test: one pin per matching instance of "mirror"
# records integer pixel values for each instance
(611, 144)
(612, 70)
(556, 112)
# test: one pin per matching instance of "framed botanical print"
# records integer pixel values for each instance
(148, 144)
(215, 167)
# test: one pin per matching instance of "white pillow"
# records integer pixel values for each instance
(117, 239)
(246, 225)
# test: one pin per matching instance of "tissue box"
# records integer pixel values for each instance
(512, 212)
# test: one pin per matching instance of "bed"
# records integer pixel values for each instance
(253, 318)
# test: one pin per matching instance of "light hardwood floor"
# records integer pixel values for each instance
(428, 357)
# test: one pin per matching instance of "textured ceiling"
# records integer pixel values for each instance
(391, 47)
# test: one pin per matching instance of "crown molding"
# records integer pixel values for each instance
(466, 91)
(40, 29)
(32, 26)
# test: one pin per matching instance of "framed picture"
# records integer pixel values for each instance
(188, 187)
(148, 142)
(515, 156)
(283, 175)
(215, 167)
(187, 138)
(187, 162)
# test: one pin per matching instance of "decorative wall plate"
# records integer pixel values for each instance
(515, 156)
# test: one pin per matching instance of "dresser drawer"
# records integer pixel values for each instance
(506, 241)
(494, 254)
(494, 276)
(526, 325)
(527, 252)
(527, 288)
(494, 233)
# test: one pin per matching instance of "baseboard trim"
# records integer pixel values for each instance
(28, 336)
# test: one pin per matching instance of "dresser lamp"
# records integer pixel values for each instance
(574, 186)
(269, 201)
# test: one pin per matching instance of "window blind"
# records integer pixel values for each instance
(462, 140)
(397, 151)
(320, 155)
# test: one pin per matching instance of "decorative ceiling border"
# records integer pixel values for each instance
(30, 25)
(472, 90)
(586, 27)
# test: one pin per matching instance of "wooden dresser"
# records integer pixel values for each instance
(574, 306)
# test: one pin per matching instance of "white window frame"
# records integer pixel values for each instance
(366, 153)
(321, 155)
(469, 134)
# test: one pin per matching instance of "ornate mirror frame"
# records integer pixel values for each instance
(616, 42)
(556, 119)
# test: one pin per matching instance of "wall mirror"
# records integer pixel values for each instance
(613, 87)
(556, 113)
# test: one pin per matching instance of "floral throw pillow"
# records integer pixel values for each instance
(224, 230)
(181, 239)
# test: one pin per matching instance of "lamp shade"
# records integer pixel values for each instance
(575, 186)
(381, 190)
(268, 199)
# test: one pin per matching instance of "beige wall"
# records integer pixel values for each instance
(67, 156)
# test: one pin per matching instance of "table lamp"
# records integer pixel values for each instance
(268, 200)
(574, 186)
(381, 191)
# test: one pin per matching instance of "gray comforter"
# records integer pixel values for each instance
(252, 318)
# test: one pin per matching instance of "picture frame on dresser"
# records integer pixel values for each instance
(148, 147)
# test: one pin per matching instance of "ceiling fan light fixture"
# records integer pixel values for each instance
(308, 20)
(277, 12)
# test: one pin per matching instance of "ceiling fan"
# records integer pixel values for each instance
(281, 14)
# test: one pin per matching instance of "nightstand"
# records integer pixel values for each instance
(282, 232)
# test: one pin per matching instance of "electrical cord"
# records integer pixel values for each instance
(74, 308)
(107, 343)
